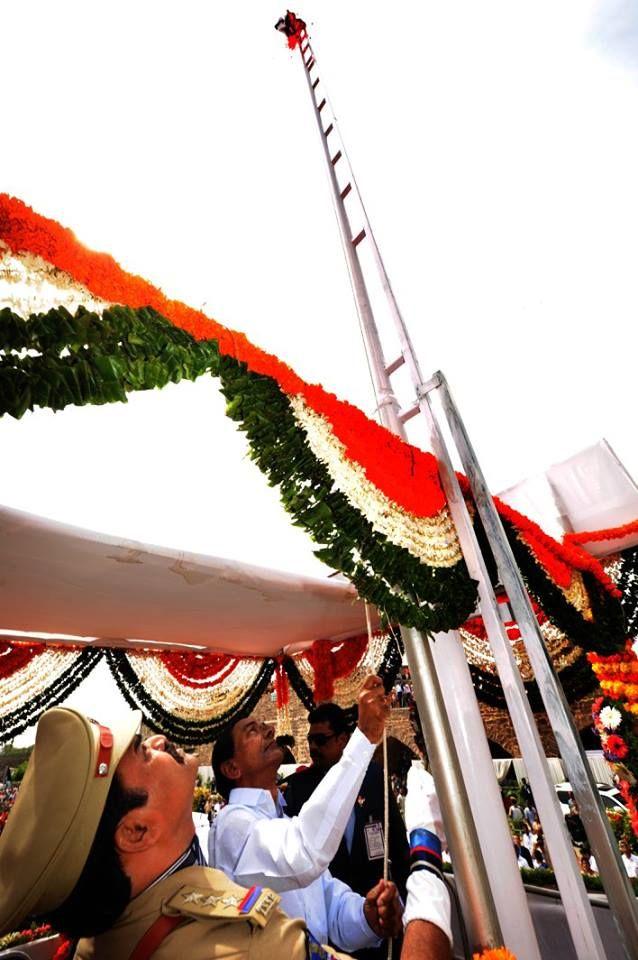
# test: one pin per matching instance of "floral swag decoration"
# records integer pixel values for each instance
(78, 329)
(189, 696)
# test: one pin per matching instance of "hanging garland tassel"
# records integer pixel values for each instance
(331, 661)
(282, 698)
(382, 656)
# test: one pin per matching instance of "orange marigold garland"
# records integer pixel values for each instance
(407, 476)
(404, 473)
(614, 716)
(494, 953)
(558, 559)
(596, 536)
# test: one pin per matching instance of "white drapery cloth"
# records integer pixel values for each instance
(598, 765)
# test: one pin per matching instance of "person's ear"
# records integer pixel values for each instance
(231, 769)
(342, 740)
(138, 830)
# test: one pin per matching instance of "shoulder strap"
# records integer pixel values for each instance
(154, 936)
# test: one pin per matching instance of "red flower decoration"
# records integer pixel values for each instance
(615, 747)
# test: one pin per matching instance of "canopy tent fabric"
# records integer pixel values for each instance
(591, 490)
(74, 583)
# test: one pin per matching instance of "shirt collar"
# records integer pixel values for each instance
(189, 858)
(260, 799)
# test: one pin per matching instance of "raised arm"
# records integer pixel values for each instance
(283, 853)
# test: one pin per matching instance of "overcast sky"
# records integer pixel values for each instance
(496, 149)
(495, 146)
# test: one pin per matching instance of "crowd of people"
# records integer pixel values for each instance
(401, 693)
(529, 842)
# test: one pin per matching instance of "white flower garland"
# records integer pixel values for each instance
(34, 678)
(432, 540)
(191, 703)
(28, 284)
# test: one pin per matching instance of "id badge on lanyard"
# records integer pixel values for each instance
(373, 833)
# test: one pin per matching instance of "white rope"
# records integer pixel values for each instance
(386, 806)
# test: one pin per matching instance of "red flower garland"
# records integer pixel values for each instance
(330, 665)
(199, 670)
(65, 950)
(632, 806)
(615, 748)
(594, 536)
(558, 559)
(282, 690)
(476, 626)
(16, 655)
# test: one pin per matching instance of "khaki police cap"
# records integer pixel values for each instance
(48, 835)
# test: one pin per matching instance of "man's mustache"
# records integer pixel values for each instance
(173, 751)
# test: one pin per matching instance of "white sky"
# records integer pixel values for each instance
(496, 149)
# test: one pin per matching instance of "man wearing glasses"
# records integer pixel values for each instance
(254, 841)
(358, 861)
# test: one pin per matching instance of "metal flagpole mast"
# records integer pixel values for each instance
(578, 911)
(475, 892)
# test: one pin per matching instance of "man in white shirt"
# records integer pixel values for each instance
(254, 842)
(254, 839)
(629, 859)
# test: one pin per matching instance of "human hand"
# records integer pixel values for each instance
(383, 910)
(373, 709)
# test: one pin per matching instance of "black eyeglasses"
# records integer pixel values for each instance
(320, 739)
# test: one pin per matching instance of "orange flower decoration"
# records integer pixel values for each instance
(496, 953)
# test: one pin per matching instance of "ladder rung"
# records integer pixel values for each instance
(305, 49)
(359, 237)
(328, 130)
(346, 190)
(412, 412)
(310, 64)
(314, 86)
(321, 105)
(336, 158)
(400, 360)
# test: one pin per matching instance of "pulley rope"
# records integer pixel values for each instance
(386, 807)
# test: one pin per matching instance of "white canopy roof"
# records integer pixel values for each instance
(75, 584)
(591, 490)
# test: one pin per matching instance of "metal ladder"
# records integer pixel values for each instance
(488, 918)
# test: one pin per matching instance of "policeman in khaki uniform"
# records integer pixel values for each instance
(101, 843)
(210, 922)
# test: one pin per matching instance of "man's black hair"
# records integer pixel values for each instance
(103, 890)
(333, 714)
(223, 750)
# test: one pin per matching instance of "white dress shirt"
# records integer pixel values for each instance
(254, 842)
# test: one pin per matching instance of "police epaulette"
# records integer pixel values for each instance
(254, 905)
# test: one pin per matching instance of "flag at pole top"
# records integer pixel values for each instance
(292, 27)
